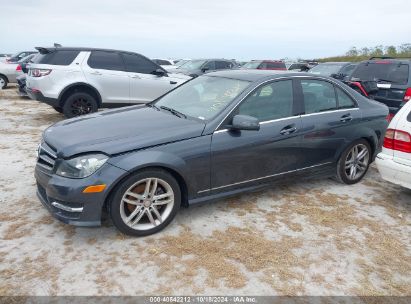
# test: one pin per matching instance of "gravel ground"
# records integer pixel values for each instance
(306, 238)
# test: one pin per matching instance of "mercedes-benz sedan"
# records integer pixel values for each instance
(215, 136)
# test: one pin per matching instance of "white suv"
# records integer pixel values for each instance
(78, 81)
(394, 162)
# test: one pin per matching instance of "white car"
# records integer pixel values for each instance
(8, 73)
(394, 162)
(78, 81)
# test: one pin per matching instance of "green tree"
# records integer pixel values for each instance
(391, 51)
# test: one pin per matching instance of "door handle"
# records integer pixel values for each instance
(95, 73)
(346, 118)
(288, 130)
(173, 82)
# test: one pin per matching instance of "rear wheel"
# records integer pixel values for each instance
(354, 162)
(79, 103)
(3, 82)
(145, 203)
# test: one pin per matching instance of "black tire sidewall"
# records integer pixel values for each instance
(67, 103)
(114, 203)
(58, 109)
(341, 175)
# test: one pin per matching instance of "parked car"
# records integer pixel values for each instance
(297, 67)
(392, 77)
(77, 81)
(219, 134)
(338, 70)
(26, 61)
(18, 56)
(394, 162)
(165, 63)
(265, 65)
(3, 57)
(21, 82)
(198, 67)
(9, 73)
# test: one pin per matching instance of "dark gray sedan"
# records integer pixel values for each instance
(217, 135)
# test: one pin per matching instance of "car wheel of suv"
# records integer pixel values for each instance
(79, 103)
(58, 109)
(3, 82)
(354, 162)
(145, 203)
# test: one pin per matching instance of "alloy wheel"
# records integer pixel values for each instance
(147, 204)
(81, 106)
(356, 162)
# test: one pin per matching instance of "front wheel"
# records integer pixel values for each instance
(145, 203)
(79, 103)
(354, 162)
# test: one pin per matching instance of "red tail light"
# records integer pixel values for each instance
(397, 140)
(407, 95)
(18, 68)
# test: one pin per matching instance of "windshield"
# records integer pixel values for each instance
(252, 65)
(385, 71)
(181, 62)
(192, 64)
(326, 69)
(203, 97)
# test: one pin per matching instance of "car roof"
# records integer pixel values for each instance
(81, 49)
(336, 63)
(255, 75)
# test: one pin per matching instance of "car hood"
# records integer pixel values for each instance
(118, 131)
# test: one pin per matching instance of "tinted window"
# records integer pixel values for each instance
(272, 101)
(344, 101)
(318, 96)
(139, 64)
(382, 70)
(161, 62)
(105, 61)
(57, 57)
(275, 65)
(210, 65)
(220, 65)
(409, 117)
(347, 70)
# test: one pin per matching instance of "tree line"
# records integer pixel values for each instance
(364, 53)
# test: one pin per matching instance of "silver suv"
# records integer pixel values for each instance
(77, 81)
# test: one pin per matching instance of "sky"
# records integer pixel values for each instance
(240, 29)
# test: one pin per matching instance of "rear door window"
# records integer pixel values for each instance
(275, 65)
(209, 65)
(63, 57)
(139, 64)
(383, 71)
(319, 96)
(221, 65)
(106, 61)
(344, 101)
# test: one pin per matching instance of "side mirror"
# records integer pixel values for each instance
(245, 122)
(204, 69)
(160, 73)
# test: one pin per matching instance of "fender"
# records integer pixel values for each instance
(70, 86)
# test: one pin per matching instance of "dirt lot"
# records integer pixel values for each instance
(307, 238)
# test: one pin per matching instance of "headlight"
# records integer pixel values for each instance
(81, 166)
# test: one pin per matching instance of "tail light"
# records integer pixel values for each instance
(407, 95)
(18, 68)
(389, 117)
(39, 72)
(397, 140)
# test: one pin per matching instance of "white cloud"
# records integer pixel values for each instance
(193, 28)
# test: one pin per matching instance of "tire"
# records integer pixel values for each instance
(134, 219)
(3, 82)
(58, 109)
(350, 168)
(79, 103)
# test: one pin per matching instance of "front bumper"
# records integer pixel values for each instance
(64, 198)
(37, 95)
(392, 171)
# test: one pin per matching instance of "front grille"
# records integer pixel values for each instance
(46, 157)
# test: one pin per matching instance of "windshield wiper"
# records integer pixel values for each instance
(173, 111)
(385, 80)
(152, 106)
